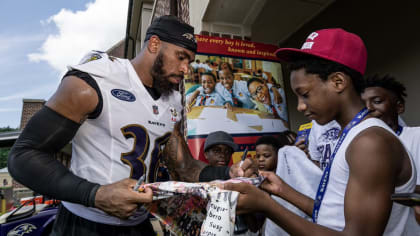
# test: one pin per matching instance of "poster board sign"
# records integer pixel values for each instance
(246, 98)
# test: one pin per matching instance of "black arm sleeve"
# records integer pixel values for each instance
(210, 173)
(32, 163)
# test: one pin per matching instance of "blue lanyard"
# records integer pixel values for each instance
(399, 130)
(326, 174)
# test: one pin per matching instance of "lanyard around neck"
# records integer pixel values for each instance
(399, 130)
(326, 174)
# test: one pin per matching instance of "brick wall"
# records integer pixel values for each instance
(30, 107)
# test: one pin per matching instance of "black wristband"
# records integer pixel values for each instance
(32, 163)
(92, 195)
(210, 173)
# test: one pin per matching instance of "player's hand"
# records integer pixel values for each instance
(119, 199)
(250, 198)
(273, 184)
(249, 168)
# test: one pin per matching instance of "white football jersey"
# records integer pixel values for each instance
(127, 138)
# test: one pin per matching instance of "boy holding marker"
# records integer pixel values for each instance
(368, 163)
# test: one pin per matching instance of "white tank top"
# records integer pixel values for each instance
(331, 213)
(410, 136)
(126, 139)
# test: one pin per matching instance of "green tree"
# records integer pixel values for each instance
(4, 152)
(7, 129)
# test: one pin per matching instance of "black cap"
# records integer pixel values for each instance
(170, 29)
(219, 137)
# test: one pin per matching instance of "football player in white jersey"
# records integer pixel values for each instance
(119, 115)
(368, 164)
(385, 98)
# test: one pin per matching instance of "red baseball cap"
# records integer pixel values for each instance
(335, 45)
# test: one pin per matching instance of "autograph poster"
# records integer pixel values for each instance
(235, 86)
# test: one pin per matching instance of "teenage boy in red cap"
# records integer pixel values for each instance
(368, 164)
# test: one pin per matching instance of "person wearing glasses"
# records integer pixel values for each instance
(264, 98)
(218, 148)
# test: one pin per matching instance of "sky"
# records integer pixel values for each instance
(38, 39)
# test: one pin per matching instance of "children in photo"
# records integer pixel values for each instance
(207, 96)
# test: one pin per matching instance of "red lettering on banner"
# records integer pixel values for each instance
(235, 47)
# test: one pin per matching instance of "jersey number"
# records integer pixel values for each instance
(137, 156)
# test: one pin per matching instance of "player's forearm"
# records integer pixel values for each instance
(43, 174)
(32, 163)
(181, 165)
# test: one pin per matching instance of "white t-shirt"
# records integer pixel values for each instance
(331, 212)
(322, 140)
(126, 139)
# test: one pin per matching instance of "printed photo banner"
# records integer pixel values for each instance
(235, 86)
(193, 209)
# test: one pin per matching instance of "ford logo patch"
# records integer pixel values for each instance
(123, 95)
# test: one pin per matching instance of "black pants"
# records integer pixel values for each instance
(69, 224)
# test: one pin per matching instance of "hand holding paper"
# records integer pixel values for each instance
(245, 168)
